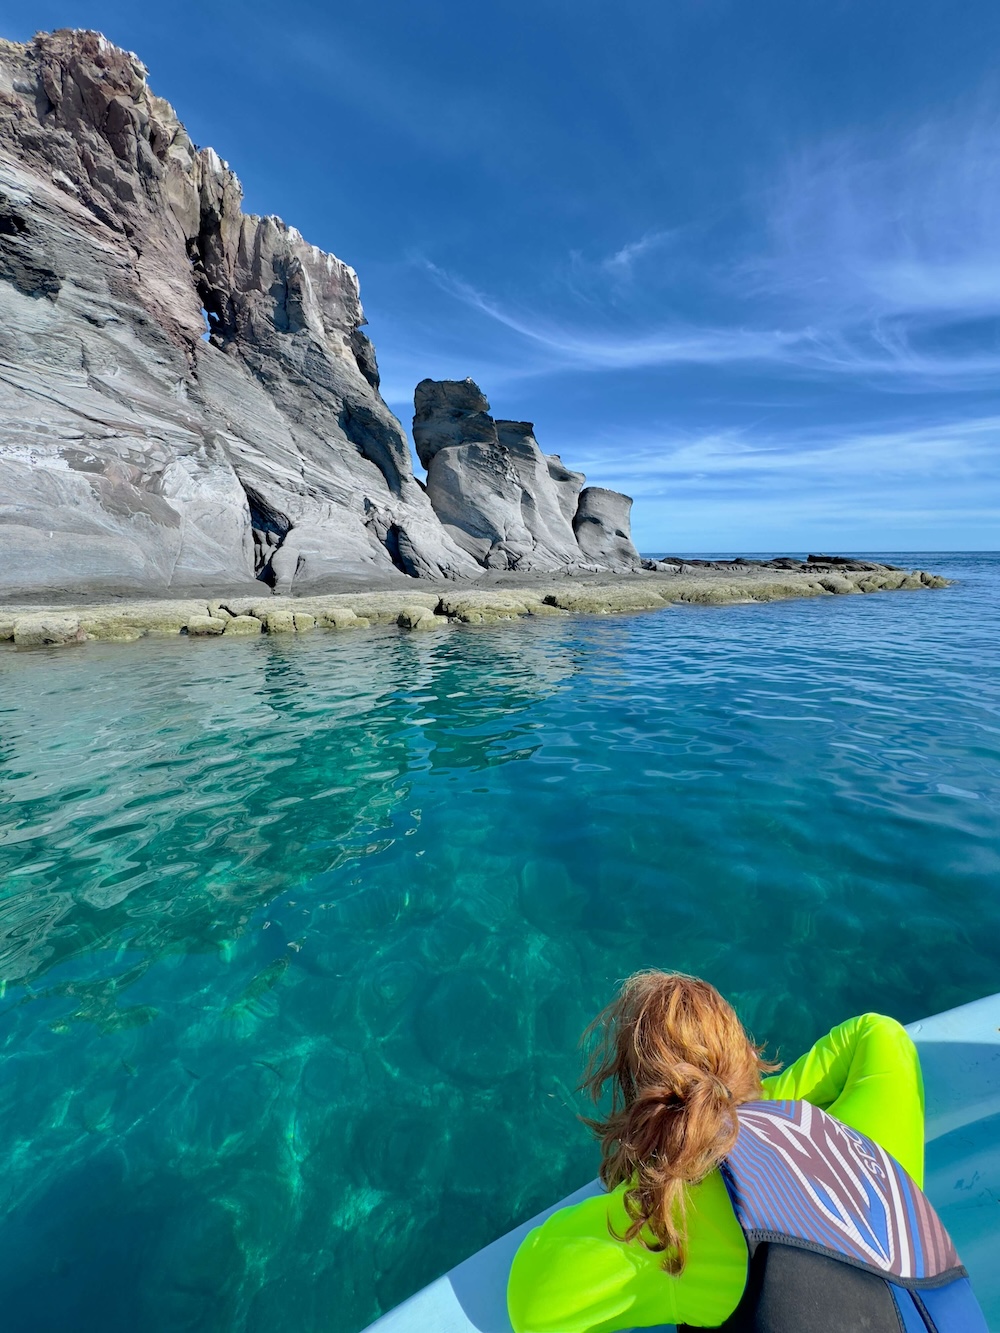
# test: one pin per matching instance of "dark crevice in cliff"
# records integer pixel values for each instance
(22, 261)
(364, 355)
(391, 544)
(374, 440)
(270, 528)
(393, 537)
(216, 304)
(401, 552)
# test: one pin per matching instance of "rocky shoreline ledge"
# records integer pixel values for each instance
(508, 597)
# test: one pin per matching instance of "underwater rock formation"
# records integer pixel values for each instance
(187, 399)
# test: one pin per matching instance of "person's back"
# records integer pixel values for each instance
(790, 1204)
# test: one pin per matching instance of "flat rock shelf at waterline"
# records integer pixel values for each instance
(710, 583)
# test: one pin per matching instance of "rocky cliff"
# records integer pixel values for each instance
(505, 502)
(187, 398)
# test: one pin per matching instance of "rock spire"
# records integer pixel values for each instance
(504, 501)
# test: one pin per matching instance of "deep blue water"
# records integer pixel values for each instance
(299, 934)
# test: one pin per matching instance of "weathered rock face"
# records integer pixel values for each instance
(134, 452)
(503, 500)
(187, 399)
(450, 412)
(602, 527)
(549, 492)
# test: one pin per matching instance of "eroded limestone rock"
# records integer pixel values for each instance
(837, 583)
(505, 502)
(549, 495)
(342, 618)
(278, 622)
(243, 625)
(202, 625)
(447, 413)
(477, 608)
(710, 583)
(601, 600)
(418, 617)
(47, 630)
(603, 528)
(135, 619)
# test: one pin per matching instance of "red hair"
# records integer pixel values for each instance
(679, 1062)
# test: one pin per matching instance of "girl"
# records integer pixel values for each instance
(790, 1204)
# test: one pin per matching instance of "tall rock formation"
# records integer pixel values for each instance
(503, 500)
(187, 399)
(602, 525)
(134, 451)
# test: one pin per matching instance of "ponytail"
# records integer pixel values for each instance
(679, 1063)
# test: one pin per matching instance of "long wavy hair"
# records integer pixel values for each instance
(679, 1062)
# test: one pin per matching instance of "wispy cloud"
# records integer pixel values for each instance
(760, 490)
(909, 226)
(949, 451)
(870, 260)
(570, 346)
(622, 262)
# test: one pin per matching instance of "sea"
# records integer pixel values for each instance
(298, 935)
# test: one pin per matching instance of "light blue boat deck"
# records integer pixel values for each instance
(960, 1056)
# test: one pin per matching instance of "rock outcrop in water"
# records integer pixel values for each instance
(504, 501)
(710, 583)
(187, 399)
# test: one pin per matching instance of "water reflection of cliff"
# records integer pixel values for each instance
(155, 801)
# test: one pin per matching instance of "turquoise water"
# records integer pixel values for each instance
(299, 934)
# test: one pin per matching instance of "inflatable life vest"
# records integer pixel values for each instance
(838, 1234)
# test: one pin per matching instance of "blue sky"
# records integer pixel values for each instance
(739, 260)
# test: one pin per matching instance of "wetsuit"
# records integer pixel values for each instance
(571, 1276)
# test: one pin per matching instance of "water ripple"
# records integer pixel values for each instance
(297, 938)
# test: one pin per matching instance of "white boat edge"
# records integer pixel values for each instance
(960, 1058)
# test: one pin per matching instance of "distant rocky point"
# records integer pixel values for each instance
(187, 399)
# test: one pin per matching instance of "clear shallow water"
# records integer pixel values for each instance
(299, 935)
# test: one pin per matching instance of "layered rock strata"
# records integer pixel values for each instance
(505, 502)
(187, 399)
(39, 626)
